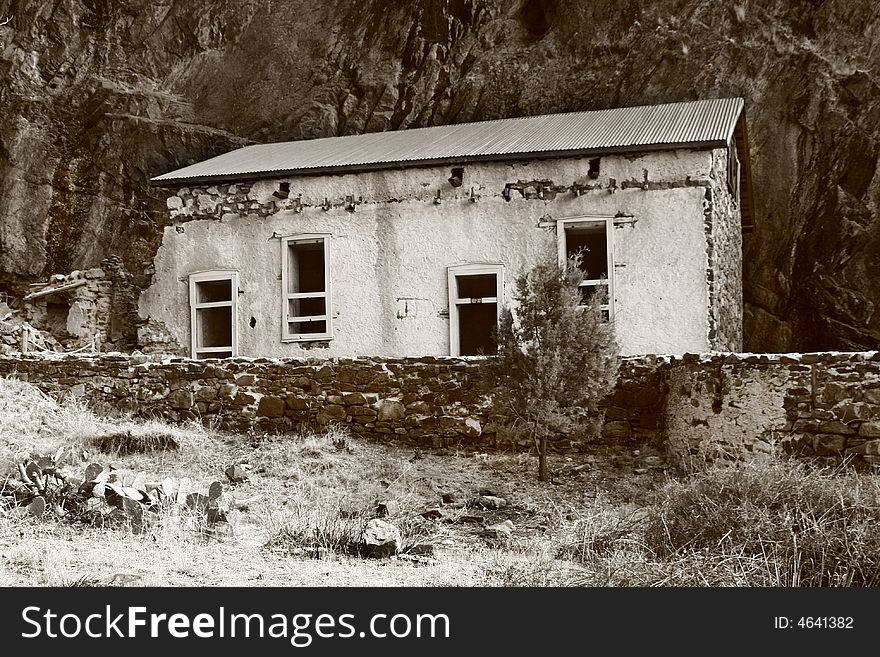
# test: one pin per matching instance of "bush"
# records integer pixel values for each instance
(556, 357)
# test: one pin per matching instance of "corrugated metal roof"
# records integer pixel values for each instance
(694, 123)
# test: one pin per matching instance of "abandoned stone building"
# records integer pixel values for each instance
(406, 243)
(89, 310)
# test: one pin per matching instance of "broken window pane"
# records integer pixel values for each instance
(476, 325)
(307, 307)
(476, 286)
(307, 328)
(306, 267)
(213, 291)
(306, 287)
(590, 242)
(599, 293)
(214, 327)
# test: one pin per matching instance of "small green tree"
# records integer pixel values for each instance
(556, 356)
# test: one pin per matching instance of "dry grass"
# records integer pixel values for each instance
(772, 523)
(316, 491)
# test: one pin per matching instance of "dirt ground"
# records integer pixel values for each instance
(312, 485)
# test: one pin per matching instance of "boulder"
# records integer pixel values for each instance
(472, 427)
(490, 502)
(236, 474)
(388, 508)
(432, 513)
(380, 539)
(500, 532)
(390, 409)
(271, 407)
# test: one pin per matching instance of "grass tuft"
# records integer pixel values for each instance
(779, 523)
(124, 443)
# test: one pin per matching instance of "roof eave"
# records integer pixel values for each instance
(161, 181)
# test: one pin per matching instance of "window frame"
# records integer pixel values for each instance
(286, 297)
(734, 167)
(455, 301)
(196, 352)
(561, 244)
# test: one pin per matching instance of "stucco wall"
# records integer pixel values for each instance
(389, 257)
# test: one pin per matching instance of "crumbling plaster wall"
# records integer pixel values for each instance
(726, 406)
(389, 256)
(724, 244)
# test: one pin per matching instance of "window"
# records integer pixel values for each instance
(475, 293)
(733, 170)
(213, 302)
(305, 281)
(591, 238)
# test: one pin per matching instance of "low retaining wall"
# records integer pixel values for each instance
(820, 404)
(429, 401)
(696, 406)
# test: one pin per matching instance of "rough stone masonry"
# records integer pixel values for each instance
(703, 407)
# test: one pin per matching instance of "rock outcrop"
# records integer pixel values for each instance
(97, 96)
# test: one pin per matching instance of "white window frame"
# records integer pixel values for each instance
(562, 224)
(286, 297)
(455, 301)
(203, 277)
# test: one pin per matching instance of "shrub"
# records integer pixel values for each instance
(555, 357)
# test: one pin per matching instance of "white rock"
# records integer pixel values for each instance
(380, 538)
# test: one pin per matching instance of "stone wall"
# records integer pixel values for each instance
(427, 401)
(95, 306)
(726, 406)
(724, 244)
(703, 407)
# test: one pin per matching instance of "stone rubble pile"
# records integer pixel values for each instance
(107, 497)
(382, 538)
(11, 328)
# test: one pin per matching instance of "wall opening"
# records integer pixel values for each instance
(588, 241)
(475, 293)
(213, 314)
(306, 278)
(57, 312)
(733, 170)
(590, 238)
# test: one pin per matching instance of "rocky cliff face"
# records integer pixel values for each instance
(96, 96)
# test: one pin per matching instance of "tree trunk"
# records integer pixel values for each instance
(542, 457)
